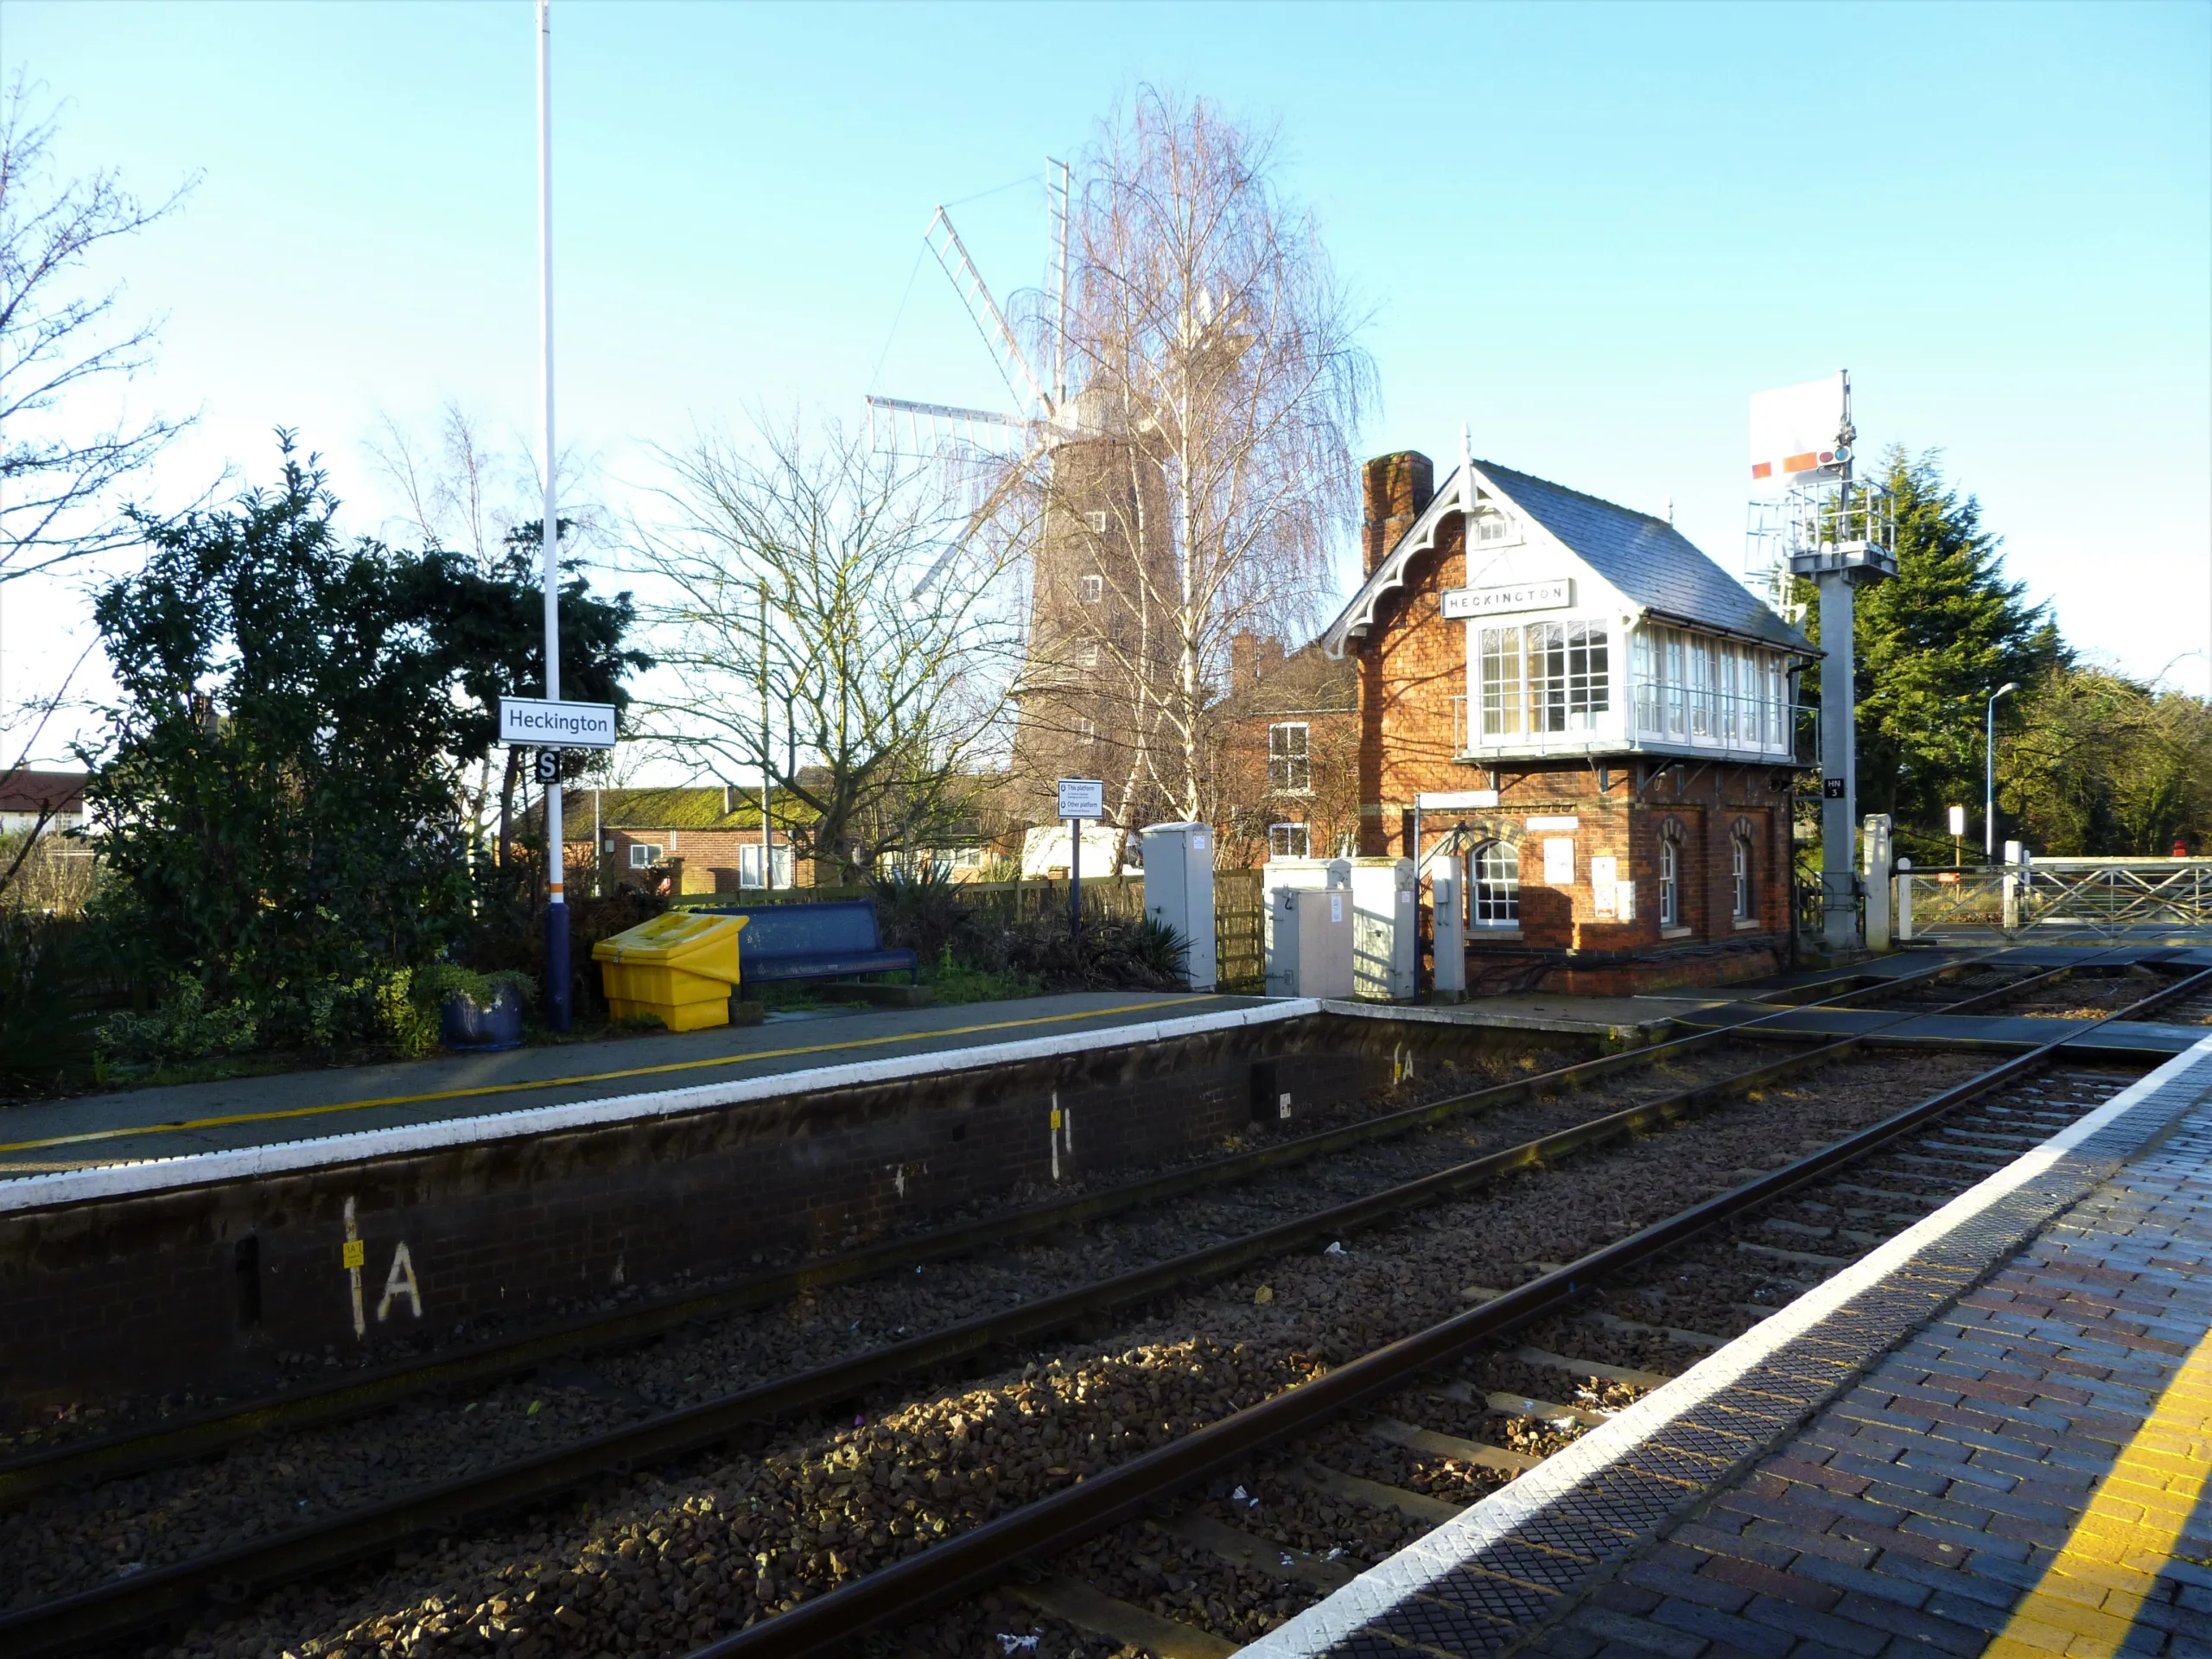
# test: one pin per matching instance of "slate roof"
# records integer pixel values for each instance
(1647, 558)
(1653, 564)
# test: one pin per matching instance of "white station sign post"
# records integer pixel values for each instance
(1081, 800)
(549, 727)
(534, 721)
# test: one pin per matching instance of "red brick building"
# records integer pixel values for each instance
(1285, 753)
(1610, 716)
(693, 839)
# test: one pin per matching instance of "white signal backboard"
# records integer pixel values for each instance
(1793, 431)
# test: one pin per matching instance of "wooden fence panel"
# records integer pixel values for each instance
(1237, 916)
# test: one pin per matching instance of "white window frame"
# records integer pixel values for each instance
(1093, 587)
(1495, 527)
(1290, 840)
(1699, 691)
(1096, 522)
(1670, 877)
(1743, 898)
(1518, 699)
(1086, 653)
(1290, 758)
(1494, 886)
(643, 854)
(748, 864)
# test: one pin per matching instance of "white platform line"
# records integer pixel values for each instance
(75, 1186)
(1483, 1523)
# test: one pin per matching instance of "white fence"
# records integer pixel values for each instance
(2089, 898)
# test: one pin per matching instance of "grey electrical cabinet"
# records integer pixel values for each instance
(1178, 891)
(1310, 953)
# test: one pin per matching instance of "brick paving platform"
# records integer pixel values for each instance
(2015, 1466)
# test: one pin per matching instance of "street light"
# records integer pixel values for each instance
(1989, 774)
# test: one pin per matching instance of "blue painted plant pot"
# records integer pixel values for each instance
(468, 1028)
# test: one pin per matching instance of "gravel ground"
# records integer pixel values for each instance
(80, 1539)
(2087, 996)
(653, 1564)
(1932, 997)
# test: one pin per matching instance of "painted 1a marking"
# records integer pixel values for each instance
(399, 1281)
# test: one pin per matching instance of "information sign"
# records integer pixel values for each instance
(1454, 800)
(1553, 594)
(557, 725)
(1082, 798)
(1559, 863)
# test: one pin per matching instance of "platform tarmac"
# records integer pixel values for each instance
(1992, 1435)
(175, 1120)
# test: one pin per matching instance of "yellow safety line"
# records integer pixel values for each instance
(2085, 1603)
(563, 1083)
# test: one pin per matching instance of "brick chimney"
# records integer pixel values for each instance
(1243, 660)
(1397, 488)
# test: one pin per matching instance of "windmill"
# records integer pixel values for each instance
(961, 438)
(1080, 698)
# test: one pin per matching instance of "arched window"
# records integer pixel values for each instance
(1670, 874)
(1495, 890)
(1745, 905)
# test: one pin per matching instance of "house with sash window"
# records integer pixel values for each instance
(1568, 699)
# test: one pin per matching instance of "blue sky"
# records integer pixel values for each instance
(1589, 231)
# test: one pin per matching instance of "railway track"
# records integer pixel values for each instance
(989, 1555)
(179, 1589)
(179, 1436)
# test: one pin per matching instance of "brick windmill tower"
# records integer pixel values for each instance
(1098, 544)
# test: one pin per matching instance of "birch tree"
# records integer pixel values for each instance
(835, 623)
(1209, 449)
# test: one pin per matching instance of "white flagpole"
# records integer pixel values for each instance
(556, 911)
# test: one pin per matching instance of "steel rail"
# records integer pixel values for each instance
(89, 1618)
(109, 1611)
(201, 1433)
(983, 1555)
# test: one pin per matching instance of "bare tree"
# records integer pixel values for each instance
(1198, 475)
(59, 469)
(460, 491)
(807, 647)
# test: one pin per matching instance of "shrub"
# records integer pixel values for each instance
(46, 1032)
(185, 1026)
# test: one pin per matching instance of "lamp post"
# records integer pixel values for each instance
(557, 909)
(1989, 773)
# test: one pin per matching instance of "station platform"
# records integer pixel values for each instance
(134, 1125)
(1991, 1435)
(127, 1126)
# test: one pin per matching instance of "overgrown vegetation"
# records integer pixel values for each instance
(928, 916)
(286, 863)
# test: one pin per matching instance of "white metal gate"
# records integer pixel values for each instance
(2095, 897)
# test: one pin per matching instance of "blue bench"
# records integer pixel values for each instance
(832, 940)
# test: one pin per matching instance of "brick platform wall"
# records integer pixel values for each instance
(201, 1287)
